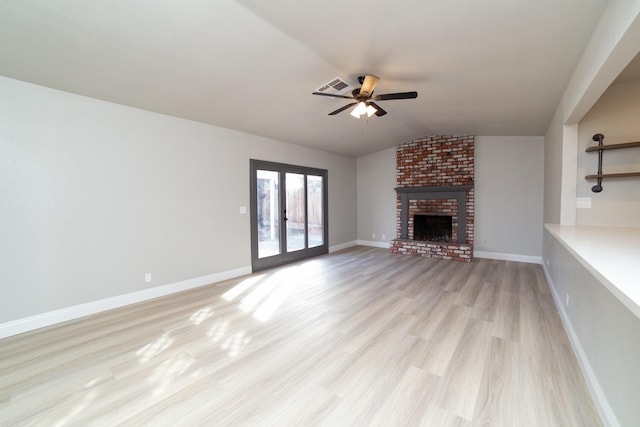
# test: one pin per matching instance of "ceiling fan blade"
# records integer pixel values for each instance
(332, 95)
(341, 109)
(399, 95)
(369, 84)
(380, 111)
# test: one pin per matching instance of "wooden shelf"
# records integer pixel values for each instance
(613, 175)
(614, 146)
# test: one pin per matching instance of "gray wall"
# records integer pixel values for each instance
(508, 189)
(376, 196)
(553, 161)
(509, 179)
(606, 330)
(93, 195)
(616, 115)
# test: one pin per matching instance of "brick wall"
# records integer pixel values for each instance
(436, 161)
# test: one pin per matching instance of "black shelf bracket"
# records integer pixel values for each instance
(599, 138)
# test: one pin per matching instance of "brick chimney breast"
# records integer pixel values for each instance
(431, 174)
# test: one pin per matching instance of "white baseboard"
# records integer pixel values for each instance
(31, 323)
(385, 245)
(342, 246)
(508, 257)
(606, 412)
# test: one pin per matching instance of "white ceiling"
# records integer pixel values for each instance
(491, 67)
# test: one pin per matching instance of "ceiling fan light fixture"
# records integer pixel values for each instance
(371, 110)
(363, 99)
(360, 109)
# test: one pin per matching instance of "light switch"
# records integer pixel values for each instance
(583, 202)
(243, 210)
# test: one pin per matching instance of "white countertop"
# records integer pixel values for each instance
(611, 254)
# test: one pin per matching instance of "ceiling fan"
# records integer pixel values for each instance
(364, 98)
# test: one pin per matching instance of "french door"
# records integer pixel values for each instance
(288, 213)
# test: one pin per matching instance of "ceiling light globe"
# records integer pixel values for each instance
(360, 109)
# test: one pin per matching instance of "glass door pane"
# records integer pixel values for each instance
(295, 212)
(315, 219)
(268, 203)
(288, 213)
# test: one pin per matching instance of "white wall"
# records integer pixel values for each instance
(509, 182)
(616, 115)
(553, 169)
(613, 44)
(94, 194)
(377, 197)
(508, 189)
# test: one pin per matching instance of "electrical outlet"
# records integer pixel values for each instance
(147, 277)
(384, 237)
(373, 236)
(567, 300)
(547, 262)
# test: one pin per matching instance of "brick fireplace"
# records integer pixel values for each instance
(434, 177)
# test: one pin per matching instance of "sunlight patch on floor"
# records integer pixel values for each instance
(234, 343)
(250, 301)
(79, 408)
(217, 330)
(267, 296)
(165, 374)
(269, 306)
(153, 348)
(201, 315)
(247, 283)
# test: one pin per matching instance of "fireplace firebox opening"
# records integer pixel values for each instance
(433, 228)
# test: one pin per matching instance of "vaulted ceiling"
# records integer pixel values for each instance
(490, 67)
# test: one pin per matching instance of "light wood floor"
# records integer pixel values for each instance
(359, 337)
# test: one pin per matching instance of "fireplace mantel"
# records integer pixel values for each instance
(447, 188)
(458, 192)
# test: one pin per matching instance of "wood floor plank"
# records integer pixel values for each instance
(506, 322)
(357, 337)
(472, 285)
(436, 416)
(497, 404)
(572, 379)
(486, 303)
(409, 400)
(361, 399)
(459, 388)
(454, 280)
(443, 338)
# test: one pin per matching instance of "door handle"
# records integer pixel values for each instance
(284, 214)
